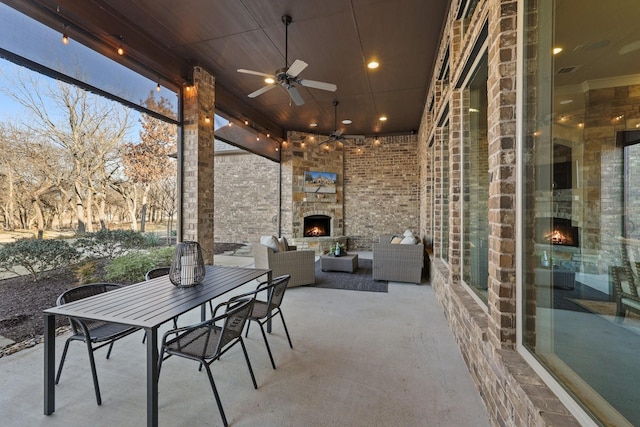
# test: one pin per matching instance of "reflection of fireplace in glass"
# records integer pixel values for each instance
(557, 231)
(317, 225)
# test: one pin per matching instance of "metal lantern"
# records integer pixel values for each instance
(187, 265)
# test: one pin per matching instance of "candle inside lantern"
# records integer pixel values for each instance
(187, 270)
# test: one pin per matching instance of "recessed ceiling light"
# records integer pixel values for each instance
(557, 50)
(383, 118)
(347, 122)
(313, 125)
(373, 65)
(269, 80)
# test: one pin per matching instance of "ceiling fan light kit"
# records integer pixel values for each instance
(336, 135)
(287, 77)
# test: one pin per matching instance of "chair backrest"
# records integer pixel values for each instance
(157, 272)
(235, 318)
(82, 292)
(622, 281)
(276, 291)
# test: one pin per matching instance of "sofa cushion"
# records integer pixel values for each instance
(396, 240)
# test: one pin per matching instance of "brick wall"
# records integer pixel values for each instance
(382, 193)
(513, 393)
(246, 195)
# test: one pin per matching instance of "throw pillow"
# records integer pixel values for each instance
(283, 244)
(408, 240)
(270, 242)
(396, 240)
(407, 233)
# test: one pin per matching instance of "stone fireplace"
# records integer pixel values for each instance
(315, 220)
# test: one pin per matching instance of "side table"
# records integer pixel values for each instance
(347, 263)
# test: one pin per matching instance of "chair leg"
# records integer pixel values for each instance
(285, 329)
(246, 357)
(264, 335)
(109, 351)
(94, 374)
(246, 334)
(144, 338)
(215, 394)
(64, 356)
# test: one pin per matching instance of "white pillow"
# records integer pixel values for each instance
(408, 240)
(407, 233)
(270, 242)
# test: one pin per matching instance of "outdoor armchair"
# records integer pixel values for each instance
(300, 265)
(265, 309)
(95, 334)
(206, 341)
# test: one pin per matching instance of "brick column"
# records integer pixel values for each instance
(197, 162)
(501, 88)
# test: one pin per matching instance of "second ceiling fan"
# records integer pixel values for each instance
(287, 77)
(337, 135)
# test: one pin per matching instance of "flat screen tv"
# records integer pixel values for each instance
(320, 182)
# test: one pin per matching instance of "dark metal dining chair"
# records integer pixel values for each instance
(268, 307)
(206, 341)
(152, 274)
(95, 334)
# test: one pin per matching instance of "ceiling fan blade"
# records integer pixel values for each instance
(337, 133)
(261, 91)
(318, 85)
(295, 95)
(353, 136)
(255, 73)
(296, 68)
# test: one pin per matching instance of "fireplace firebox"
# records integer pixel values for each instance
(317, 226)
(557, 231)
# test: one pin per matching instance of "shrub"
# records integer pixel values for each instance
(110, 243)
(87, 272)
(37, 256)
(131, 268)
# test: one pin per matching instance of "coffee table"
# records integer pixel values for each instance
(347, 263)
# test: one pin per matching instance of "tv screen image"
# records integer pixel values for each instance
(320, 182)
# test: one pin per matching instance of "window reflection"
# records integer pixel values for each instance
(581, 195)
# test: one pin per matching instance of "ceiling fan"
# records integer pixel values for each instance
(337, 135)
(287, 77)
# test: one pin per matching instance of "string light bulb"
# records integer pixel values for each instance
(246, 122)
(207, 119)
(120, 50)
(65, 39)
(158, 87)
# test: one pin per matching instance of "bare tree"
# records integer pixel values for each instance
(87, 129)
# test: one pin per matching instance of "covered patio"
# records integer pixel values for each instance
(345, 369)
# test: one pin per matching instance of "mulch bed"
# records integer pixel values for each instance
(22, 302)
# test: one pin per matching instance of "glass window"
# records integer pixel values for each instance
(581, 195)
(475, 267)
(444, 192)
(30, 40)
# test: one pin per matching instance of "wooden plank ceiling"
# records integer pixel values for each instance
(337, 38)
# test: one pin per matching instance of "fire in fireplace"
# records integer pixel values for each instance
(317, 225)
(557, 231)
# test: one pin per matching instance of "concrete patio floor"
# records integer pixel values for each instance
(359, 359)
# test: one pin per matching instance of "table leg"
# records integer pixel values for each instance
(49, 363)
(152, 377)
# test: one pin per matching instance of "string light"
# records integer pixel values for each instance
(207, 119)
(120, 50)
(65, 39)
(158, 88)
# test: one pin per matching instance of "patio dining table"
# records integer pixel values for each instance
(146, 305)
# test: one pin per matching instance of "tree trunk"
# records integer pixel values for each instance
(143, 214)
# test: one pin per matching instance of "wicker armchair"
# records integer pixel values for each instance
(397, 262)
(300, 265)
(625, 291)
